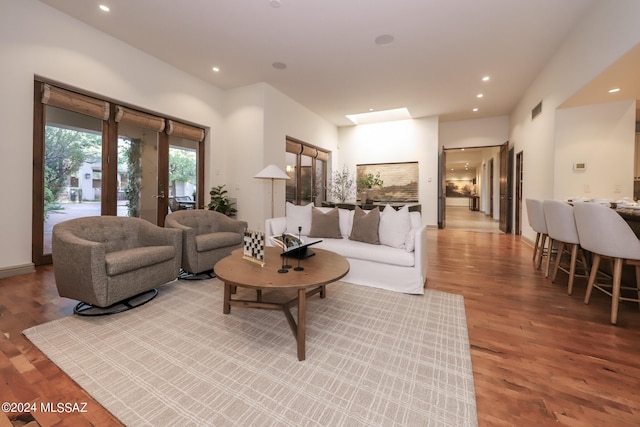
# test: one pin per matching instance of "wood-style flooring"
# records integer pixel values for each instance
(540, 357)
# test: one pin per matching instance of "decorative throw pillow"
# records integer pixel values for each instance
(346, 221)
(394, 226)
(298, 216)
(325, 224)
(365, 226)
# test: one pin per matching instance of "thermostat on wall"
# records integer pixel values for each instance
(579, 167)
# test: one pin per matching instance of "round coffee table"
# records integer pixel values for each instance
(319, 270)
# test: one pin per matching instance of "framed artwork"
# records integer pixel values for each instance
(400, 181)
(459, 188)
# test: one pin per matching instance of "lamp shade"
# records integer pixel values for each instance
(271, 172)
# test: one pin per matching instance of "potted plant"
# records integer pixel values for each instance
(342, 185)
(220, 201)
(366, 183)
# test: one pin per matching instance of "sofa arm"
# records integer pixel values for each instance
(420, 252)
(79, 267)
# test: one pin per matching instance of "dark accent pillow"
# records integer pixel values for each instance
(365, 226)
(325, 224)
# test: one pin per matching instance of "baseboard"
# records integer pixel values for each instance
(16, 270)
(527, 241)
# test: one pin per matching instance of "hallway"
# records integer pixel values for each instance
(461, 218)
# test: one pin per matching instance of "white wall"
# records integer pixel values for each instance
(607, 32)
(399, 141)
(36, 40)
(257, 122)
(602, 136)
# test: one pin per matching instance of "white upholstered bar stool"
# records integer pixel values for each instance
(535, 213)
(561, 227)
(604, 232)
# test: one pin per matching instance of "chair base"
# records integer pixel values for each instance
(86, 309)
(204, 275)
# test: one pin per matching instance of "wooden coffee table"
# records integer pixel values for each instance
(319, 270)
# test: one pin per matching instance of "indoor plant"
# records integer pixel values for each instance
(366, 183)
(342, 185)
(220, 201)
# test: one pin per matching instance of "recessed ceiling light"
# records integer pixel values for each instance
(216, 69)
(451, 168)
(475, 110)
(479, 95)
(104, 8)
(485, 78)
(384, 39)
(279, 65)
(275, 3)
(614, 90)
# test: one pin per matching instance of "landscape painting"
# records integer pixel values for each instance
(459, 188)
(400, 181)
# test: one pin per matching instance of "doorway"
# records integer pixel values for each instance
(468, 189)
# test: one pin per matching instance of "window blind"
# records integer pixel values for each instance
(182, 130)
(72, 101)
(139, 119)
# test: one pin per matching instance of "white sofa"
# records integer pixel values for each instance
(400, 269)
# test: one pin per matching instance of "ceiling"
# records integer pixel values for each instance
(468, 159)
(440, 50)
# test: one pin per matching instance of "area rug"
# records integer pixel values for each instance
(374, 358)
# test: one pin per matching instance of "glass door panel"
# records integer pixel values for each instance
(292, 182)
(306, 180)
(183, 174)
(72, 168)
(319, 188)
(138, 189)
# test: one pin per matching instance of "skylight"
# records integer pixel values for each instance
(380, 116)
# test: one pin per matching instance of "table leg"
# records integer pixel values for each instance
(302, 320)
(323, 291)
(226, 307)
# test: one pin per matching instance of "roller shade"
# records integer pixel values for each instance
(323, 155)
(309, 151)
(182, 130)
(139, 119)
(65, 99)
(294, 147)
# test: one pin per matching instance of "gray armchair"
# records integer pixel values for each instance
(207, 237)
(103, 260)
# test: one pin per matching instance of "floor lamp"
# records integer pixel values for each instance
(271, 172)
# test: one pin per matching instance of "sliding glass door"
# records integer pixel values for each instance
(94, 158)
(72, 168)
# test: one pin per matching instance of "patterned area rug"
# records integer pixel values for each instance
(374, 358)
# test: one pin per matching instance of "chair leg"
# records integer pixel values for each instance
(572, 268)
(549, 252)
(540, 254)
(535, 247)
(556, 264)
(592, 277)
(615, 294)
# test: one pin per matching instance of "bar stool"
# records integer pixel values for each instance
(604, 232)
(535, 213)
(561, 227)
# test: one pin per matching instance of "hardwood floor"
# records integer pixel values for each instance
(540, 357)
